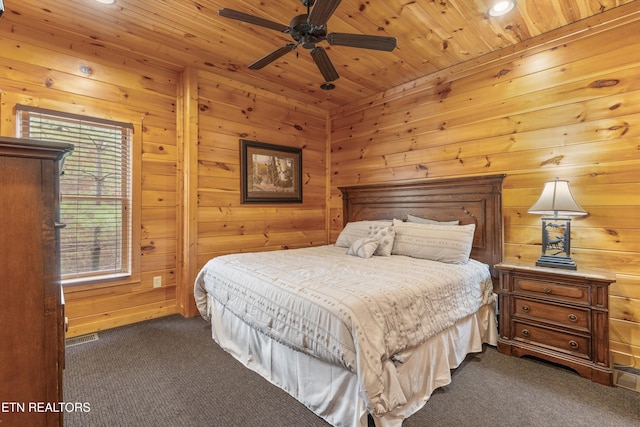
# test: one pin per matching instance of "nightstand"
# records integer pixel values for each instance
(558, 315)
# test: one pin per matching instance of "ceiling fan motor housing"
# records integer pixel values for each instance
(306, 33)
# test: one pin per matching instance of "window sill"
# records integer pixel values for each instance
(106, 281)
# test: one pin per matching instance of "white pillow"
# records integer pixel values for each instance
(357, 230)
(385, 236)
(412, 218)
(364, 248)
(445, 243)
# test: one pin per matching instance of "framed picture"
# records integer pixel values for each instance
(270, 173)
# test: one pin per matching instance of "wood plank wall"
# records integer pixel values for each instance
(149, 96)
(121, 89)
(182, 222)
(568, 108)
(228, 112)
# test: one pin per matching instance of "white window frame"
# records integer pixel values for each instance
(36, 123)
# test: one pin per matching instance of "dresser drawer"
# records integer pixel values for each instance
(576, 345)
(572, 317)
(552, 290)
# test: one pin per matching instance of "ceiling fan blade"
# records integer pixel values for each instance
(324, 64)
(250, 19)
(363, 41)
(269, 58)
(322, 11)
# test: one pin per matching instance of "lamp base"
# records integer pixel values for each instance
(556, 262)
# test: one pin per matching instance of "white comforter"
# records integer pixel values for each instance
(347, 310)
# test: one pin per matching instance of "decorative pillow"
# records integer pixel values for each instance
(385, 236)
(444, 243)
(364, 247)
(357, 230)
(412, 218)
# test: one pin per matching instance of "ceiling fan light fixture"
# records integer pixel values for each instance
(106, 1)
(327, 86)
(501, 8)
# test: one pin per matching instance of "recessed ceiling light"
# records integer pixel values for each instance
(327, 86)
(502, 8)
(106, 1)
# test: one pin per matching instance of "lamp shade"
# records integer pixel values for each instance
(556, 199)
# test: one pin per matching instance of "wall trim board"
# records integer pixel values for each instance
(187, 122)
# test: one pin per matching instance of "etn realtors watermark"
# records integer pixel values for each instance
(31, 407)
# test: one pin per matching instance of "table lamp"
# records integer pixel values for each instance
(557, 205)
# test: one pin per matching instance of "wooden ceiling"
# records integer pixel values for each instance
(432, 35)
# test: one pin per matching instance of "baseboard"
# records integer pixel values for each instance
(83, 326)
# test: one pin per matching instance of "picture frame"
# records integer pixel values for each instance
(270, 173)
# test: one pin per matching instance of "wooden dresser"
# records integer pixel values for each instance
(557, 315)
(31, 311)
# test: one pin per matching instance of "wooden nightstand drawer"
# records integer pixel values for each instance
(572, 317)
(557, 340)
(546, 289)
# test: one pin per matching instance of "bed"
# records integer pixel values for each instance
(364, 327)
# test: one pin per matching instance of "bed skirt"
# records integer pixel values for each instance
(332, 391)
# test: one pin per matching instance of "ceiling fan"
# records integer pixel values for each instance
(308, 30)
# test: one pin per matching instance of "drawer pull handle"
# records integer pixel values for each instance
(547, 290)
(573, 345)
(525, 308)
(573, 318)
(59, 225)
(526, 332)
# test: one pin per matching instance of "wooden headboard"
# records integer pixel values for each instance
(471, 200)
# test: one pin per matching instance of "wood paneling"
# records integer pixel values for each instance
(177, 230)
(35, 74)
(432, 37)
(565, 109)
(228, 112)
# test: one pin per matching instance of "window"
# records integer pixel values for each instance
(95, 191)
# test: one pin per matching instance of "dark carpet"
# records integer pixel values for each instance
(170, 372)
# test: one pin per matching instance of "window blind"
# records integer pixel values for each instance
(95, 191)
